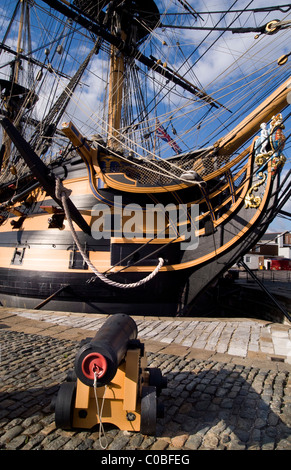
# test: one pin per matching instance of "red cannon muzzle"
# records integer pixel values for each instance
(101, 356)
(92, 364)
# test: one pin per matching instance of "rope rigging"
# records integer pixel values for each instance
(63, 194)
(141, 149)
(269, 28)
(51, 120)
(283, 8)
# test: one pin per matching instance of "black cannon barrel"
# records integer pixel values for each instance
(103, 354)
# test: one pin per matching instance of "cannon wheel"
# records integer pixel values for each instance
(64, 405)
(71, 376)
(148, 417)
(156, 379)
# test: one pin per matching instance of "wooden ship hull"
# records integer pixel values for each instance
(74, 236)
(42, 265)
(37, 263)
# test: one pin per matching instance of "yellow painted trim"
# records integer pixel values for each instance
(230, 164)
(189, 264)
(176, 187)
(236, 205)
(134, 189)
(51, 260)
(226, 185)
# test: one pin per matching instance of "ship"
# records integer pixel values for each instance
(129, 184)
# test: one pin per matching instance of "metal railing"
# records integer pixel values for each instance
(266, 275)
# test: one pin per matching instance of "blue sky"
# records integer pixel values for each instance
(227, 65)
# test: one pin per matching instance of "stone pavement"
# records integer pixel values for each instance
(229, 382)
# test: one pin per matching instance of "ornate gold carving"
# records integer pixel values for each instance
(251, 200)
(277, 162)
(261, 158)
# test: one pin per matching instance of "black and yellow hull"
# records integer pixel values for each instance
(41, 266)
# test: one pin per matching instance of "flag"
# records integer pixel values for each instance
(162, 134)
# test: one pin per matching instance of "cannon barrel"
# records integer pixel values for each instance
(114, 357)
(102, 355)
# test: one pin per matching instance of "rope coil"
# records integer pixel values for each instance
(63, 194)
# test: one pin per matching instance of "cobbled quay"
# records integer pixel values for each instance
(212, 401)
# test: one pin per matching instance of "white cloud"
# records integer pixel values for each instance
(226, 48)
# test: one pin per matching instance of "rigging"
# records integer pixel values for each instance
(283, 8)
(269, 28)
(129, 50)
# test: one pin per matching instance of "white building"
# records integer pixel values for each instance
(271, 245)
(284, 245)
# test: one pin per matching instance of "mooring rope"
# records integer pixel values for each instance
(63, 194)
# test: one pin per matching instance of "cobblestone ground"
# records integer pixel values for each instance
(208, 405)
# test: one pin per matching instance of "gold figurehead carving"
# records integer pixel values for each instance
(251, 200)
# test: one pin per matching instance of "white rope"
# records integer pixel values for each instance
(99, 413)
(63, 194)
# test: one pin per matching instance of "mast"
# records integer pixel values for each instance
(18, 99)
(149, 19)
(15, 95)
(45, 129)
(18, 49)
(116, 79)
(6, 142)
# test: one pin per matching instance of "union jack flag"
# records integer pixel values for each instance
(162, 134)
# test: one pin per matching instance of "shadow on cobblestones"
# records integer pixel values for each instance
(208, 405)
(223, 406)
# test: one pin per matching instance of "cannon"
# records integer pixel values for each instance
(111, 383)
